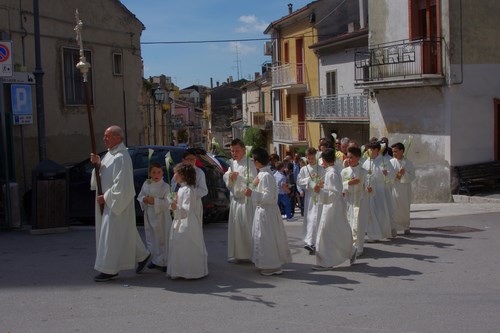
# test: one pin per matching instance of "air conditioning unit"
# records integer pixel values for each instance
(268, 48)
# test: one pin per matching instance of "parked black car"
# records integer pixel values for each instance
(215, 204)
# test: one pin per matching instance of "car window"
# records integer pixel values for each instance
(140, 156)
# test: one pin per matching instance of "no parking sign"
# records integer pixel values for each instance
(5, 58)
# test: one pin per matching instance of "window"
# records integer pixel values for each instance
(117, 64)
(263, 102)
(73, 81)
(331, 83)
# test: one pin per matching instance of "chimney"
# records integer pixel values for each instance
(361, 14)
(290, 8)
(257, 75)
(211, 83)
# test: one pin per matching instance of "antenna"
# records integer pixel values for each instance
(238, 63)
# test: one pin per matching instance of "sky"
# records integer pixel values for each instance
(206, 20)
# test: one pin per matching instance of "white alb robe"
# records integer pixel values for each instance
(200, 187)
(334, 240)
(118, 243)
(401, 194)
(270, 242)
(357, 203)
(157, 219)
(241, 211)
(187, 254)
(379, 221)
(308, 177)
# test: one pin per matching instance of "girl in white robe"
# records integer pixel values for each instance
(187, 255)
(334, 243)
(270, 242)
(154, 201)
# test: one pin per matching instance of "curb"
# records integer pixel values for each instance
(466, 199)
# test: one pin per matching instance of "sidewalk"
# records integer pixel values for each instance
(441, 278)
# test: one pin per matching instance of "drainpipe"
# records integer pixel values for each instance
(361, 14)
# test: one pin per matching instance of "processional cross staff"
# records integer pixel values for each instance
(84, 67)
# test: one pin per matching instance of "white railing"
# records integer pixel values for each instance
(288, 74)
(352, 107)
(290, 132)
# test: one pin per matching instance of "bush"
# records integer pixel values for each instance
(255, 137)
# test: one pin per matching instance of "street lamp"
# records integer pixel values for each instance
(159, 95)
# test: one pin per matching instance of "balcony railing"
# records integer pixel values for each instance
(289, 132)
(353, 107)
(402, 60)
(288, 74)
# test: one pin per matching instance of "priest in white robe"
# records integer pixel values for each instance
(238, 177)
(118, 243)
(401, 191)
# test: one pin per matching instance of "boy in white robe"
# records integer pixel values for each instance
(187, 254)
(401, 191)
(270, 242)
(154, 201)
(241, 211)
(354, 183)
(334, 240)
(379, 221)
(308, 179)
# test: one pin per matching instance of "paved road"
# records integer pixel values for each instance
(442, 278)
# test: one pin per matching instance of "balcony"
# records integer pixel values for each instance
(290, 77)
(259, 119)
(338, 108)
(290, 132)
(414, 63)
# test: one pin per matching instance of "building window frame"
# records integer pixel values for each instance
(331, 83)
(117, 59)
(72, 78)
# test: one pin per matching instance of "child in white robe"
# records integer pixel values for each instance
(354, 183)
(401, 191)
(187, 255)
(334, 240)
(308, 178)
(153, 200)
(270, 242)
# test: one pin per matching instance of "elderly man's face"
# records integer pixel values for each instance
(111, 139)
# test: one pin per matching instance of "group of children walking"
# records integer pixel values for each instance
(347, 200)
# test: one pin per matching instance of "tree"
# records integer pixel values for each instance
(255, 137)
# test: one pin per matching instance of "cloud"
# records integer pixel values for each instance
(242, 48)
(251, 24)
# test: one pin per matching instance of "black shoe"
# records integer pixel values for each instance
(153, 266)
(142, 264)
(311, 249)
(103, 277)
(163, 268)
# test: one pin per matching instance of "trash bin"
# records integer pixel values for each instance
(50, 199)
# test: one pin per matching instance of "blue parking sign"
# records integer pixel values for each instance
(21, 99)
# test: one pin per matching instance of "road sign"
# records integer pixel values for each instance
(21, 99)
(23, 119)
(5, 58)
(21, 78)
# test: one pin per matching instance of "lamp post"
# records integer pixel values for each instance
(159, 97)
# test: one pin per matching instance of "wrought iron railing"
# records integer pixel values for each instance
(403, 59)
(288, 74)
(353, 107)
(291, 132)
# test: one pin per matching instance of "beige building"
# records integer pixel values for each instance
(111, 40)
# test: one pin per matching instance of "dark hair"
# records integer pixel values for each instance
(311, 151)
(187, 173)
(328, 155)
(374, 145)
(238, 142)
(274, 157)
(355, 151)
(155, 165)
(260, 155)
(189, 151)
(279, 166)
(399, 146)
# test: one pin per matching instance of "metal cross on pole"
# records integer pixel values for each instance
(84, 67)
